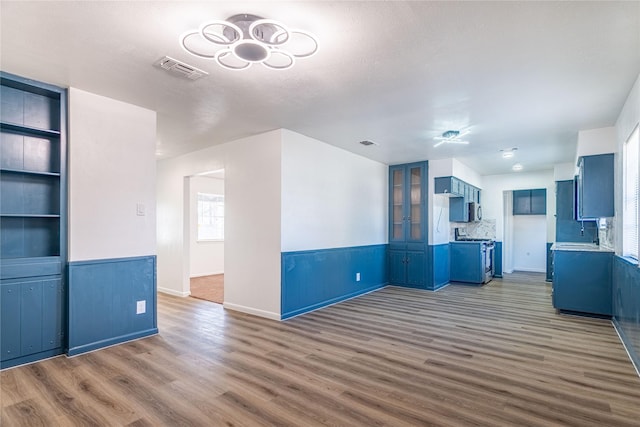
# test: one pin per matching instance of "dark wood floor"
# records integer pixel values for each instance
(496, 355)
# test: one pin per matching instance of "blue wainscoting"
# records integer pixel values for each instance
(102, 302)
(626, 304)
(497, 260)
(440, 266)
(317, 278)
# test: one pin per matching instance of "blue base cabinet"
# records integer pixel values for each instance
(466, 262)
(407, 256)
(582, 281)
(32, 220)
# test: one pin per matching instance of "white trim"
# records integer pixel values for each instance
(615, 328)
(206, 274)
(337, 302)
(250, 310)
(174, 292)
(528, 270)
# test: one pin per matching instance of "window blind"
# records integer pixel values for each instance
(630, 195)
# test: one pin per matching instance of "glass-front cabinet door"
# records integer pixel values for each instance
(398, 215)
(407, 194)
(417, 203)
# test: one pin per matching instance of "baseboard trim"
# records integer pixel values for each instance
(529, 270)
(622, 337)
(174, 292)
(332, 301)
(249, 310)
(206, 274)
(110, 342)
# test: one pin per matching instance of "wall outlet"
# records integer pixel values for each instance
(140, 210)
(357, 277)
(141, 307)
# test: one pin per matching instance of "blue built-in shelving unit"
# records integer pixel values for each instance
(33, 220)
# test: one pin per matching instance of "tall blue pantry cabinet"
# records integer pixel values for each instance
(407, 255)
(33, 217)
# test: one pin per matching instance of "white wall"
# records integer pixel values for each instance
(331, 198)
(206, 257)
(529, 243)
(596, 141)
(493, 205)
(627, 121)
(252, 224)
(439, 225)
(112, 169)
(439, 215)
(564, 171)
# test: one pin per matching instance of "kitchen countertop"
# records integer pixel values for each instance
(584, 247)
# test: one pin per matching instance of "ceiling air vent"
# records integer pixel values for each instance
(367, 142)
(180, 69)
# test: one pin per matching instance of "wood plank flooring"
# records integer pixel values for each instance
(498, 355)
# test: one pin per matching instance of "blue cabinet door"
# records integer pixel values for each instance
(564, 200)
(52, 314)
(10, 321)
(31, 317)
(522, 202)
(539, 201)
(582, 281)
(596, 187)
(416, 275)
(397, 268)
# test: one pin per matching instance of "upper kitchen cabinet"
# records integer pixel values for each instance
(460, 193)
(408, 224)
(530, 202)
(595, 187)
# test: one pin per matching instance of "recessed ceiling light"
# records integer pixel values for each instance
(517, 167)
(508, 153)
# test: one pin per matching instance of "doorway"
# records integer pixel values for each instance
(525, 240)
(204, 209)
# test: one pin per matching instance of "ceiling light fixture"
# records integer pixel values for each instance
(245, 39)
(508, 153)
(451, 137)
(517, 167)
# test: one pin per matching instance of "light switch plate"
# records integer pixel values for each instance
(140, 210)
(141, 307)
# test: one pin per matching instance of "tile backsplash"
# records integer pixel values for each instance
(606, 234)
(485, 229)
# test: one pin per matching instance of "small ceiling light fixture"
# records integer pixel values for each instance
(517, 167)
(451, 137)
(245, 39)
(508, 153)
(366, 143)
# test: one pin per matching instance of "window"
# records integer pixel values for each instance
(210, 216)
(630, 195)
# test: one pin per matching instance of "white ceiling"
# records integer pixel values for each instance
(517, 74)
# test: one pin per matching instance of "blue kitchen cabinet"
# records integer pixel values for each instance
(582, 281)
(448, 185)
(407, 224)
(567, 228)
(33, 229)
(460, 193)
(595, 193)
(530, 202)
(466, 260)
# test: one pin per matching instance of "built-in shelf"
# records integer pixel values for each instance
(29, 172)
(28, 130)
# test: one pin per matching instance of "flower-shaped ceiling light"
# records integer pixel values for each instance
(245, 39)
